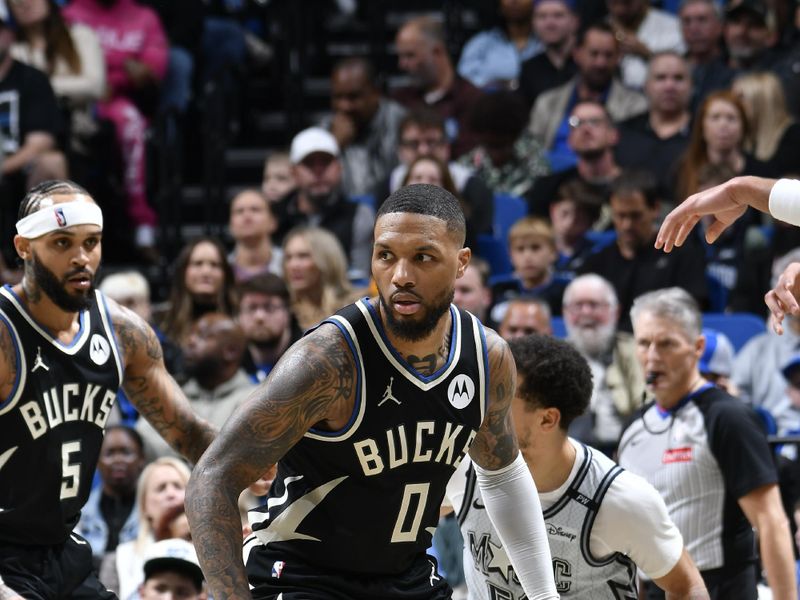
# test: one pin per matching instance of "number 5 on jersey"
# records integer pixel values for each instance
(70, 471)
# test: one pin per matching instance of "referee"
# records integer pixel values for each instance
(706, 453)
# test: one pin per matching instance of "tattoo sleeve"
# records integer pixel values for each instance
(8, 363)
(495, 445)
(153, 391)
(312, 383)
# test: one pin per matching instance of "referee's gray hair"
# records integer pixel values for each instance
(674, 304)
(594, 279)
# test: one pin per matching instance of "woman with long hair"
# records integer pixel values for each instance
(774, 133)
(315, 271)
(203, 282)
(718, 137)
(161, 488)
(70, 55)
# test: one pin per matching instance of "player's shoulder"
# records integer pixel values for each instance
(630, 497)
(325, 338)
(496, 346)
(8, 354)
(133, 333)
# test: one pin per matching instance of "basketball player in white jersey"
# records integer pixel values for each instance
(602, 521)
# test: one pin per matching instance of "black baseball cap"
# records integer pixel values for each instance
(754, 7)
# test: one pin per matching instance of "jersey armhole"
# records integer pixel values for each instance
(22, 367)
(360, 402)
(108, 324)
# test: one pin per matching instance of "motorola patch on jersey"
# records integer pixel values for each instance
(99, 349)
(461, 391)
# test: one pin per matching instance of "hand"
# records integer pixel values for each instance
(782, 299)
(630, 44)
(343, 129)
(720, 202)
(139, 73)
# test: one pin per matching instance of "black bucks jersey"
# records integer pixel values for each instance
(366, 499)
(51, 425)
(578, 573)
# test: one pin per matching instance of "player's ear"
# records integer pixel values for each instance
(549, 419)
(464, 256)
(22, 246)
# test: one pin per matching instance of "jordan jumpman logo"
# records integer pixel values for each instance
(388, 395)
(39, 363)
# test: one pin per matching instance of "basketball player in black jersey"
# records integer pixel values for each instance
(65, 349)
(368, 416)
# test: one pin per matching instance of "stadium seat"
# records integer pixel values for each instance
(494, 251)
(559, 328)
(507, 211)
(739, 327)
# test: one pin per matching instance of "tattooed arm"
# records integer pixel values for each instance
(8, 363)
(152, 389)
(495, 445)
(506, 484)
(312, 384)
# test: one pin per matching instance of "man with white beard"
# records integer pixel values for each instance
(591, 312)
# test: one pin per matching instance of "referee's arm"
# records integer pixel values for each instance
(763, 508)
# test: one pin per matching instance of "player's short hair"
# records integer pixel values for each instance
(429, 200)
(33, 199)
(552, 374)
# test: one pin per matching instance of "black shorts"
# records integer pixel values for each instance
(52, 572)
(284, 578)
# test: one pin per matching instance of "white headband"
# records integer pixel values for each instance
(59, 216)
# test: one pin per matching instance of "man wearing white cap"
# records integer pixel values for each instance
(171, 570)
(65, 349)
(320, 202)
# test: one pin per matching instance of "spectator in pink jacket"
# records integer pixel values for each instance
(136, 52)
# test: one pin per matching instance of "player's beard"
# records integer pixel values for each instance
(415, 330)
(55, 289)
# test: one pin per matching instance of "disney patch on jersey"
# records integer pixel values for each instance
(677, 455)
(277, 568)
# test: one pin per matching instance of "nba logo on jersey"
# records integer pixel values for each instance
(99, 349)
(60, 218)
(461, 391)
(277, 568)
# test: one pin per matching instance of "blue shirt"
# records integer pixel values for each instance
(490, 56)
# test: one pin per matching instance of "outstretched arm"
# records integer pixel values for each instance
(506, 484)
(152, 389)
(725, 202)
(313, 383)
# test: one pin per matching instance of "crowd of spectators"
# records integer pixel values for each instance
(595, 117)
